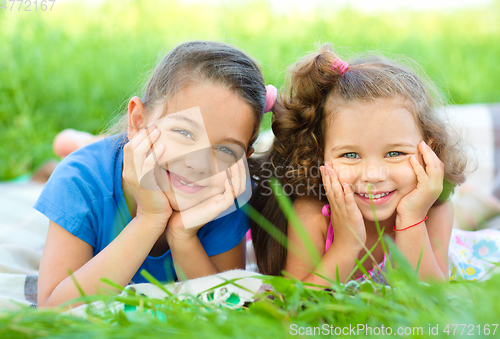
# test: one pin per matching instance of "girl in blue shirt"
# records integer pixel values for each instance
(160, 194)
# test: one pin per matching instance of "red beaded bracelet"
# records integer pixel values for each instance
(394, 227)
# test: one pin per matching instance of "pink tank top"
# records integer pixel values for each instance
(373, 273)
(329, 234)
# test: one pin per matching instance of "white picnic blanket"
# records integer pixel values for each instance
(22, 235)
(229, 289)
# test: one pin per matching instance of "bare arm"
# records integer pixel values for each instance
(185, 253)
(119, 261)
(433, 237)
(415, 242)
(439, 228)
(300, 264)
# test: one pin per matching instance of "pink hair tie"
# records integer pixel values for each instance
(340, 65)
(271, 94)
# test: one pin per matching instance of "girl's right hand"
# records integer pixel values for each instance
(138, 173)
(346, 217)
(187, 222)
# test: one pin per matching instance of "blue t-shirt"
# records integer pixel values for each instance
(84, 195)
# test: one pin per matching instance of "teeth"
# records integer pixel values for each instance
(376, 196)
(185, 183)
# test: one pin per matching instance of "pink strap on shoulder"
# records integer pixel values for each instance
(329, 235)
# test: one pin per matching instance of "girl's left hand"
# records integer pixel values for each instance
(187, 223)
(416, 204)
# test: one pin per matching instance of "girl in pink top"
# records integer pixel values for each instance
(349, 136)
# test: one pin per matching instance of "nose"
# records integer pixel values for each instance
(373, 171)
(200, 161)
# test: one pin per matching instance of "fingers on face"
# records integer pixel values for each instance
(428, 155)
(334, 190)
(235, 179)
(326, 180)
(434, 168)
(140, 136)
(338, 192)
(229, 194)
(349, 197)
(243, 175)
(152, 159)
(422, 177)
(238, 175)
(146, 142)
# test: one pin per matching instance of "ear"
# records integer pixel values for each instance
(250, 151)
(136, 117)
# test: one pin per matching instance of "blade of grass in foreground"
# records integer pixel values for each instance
(154, 281)
(117, 286)
(77, 285)
(265, 224)
(289, 212)
(275, 233)
(377, 224)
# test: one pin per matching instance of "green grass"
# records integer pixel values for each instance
(417, 309)
(74, 67)
(408, 305)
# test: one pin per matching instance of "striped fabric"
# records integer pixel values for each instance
(22, 236)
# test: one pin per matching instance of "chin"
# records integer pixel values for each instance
(186, 204)
(381, 215)
(175, 206)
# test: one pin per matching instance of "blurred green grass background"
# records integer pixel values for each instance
(75, 67)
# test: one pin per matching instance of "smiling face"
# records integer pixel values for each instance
(370, 142)
(206, 129)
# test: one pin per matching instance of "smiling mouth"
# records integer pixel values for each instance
(183, 184)
(375, 196)
(377, 199)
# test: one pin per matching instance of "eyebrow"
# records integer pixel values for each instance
(338, 148)
(236, 142)
(183, 118)
(400, 144)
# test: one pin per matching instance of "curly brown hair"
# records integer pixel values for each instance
(315, 90)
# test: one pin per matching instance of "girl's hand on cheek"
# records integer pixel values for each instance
(188, 222)
(139, 175)
(344, 211)
(416, 204)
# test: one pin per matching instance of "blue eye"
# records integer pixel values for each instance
(227, 151)
(185, 133)
(351, 155)
(393, 154)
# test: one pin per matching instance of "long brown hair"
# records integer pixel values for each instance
(315, 89)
